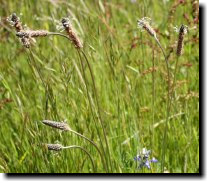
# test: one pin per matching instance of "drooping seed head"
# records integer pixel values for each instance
(38, 33)
(59, 125)
(54, 147)
(32, 33)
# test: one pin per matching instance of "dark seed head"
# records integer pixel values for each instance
(14, 17)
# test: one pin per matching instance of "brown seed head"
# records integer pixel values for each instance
(71, 34)
(14, 20)
(182, 31)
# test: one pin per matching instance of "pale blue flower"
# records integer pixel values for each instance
(143, 159)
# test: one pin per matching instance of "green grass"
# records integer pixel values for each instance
(48, 82)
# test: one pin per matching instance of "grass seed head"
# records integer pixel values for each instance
(27, 35)
(182, 31)
(54, 147)
(59, 125)
(71, 34)
(32, 33)
(144, 23)
(14, 21)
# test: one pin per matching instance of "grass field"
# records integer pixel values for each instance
(113, 91)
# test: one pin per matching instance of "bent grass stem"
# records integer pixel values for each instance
(82, 136)
(81, 148)
(98, 107)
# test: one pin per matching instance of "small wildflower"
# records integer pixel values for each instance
(143, 158)
(153, 160)
(137, 158)
(147, 164)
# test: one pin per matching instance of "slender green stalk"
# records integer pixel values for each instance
(153, 97)
(90, 103)
(91, 73)
(93, 145)
(81, 148)
(58, 34)
(175, 73)
(35, 66)
(168, 107)
(98, 107)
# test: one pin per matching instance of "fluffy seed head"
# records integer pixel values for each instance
(66, 22)
(144, 23)
(59, 125)
(14, 20)
(14, 17)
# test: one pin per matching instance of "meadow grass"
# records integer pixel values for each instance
(113, 93)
